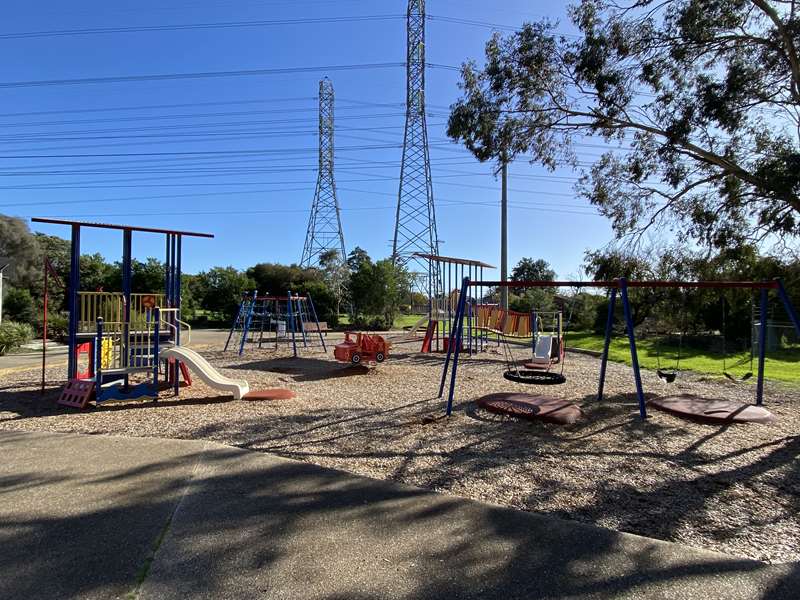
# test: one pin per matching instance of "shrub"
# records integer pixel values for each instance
(57, 326)
(372, 322)
(18, 305)
(13, 335)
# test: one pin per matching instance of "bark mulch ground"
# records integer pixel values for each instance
(733, 488)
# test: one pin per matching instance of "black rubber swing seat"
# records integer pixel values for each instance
(531, 377)
(667, 376)
(735, 379)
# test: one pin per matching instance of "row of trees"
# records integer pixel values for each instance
(663, 311)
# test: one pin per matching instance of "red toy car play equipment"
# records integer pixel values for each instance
(361, 347)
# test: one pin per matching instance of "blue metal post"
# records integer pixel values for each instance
(762, 346)
(612, 303)
(316, 320)
(127, 278)
(787, 304)
(457, 352)
(464, 287)
(168, 269)
(637, 375)
(235, 321)
(291, 322)
(174, 271)
(469, 324)
(98, 361)
(73, 302)
(176, 303)
(790, 311)
(155, 349)
(246, 325)
(299, 314)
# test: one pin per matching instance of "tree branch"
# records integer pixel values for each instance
(789, 48)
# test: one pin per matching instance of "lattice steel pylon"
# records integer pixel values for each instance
(415, 224)
(324, 223)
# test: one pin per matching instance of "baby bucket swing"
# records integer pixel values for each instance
(543, 374)
(665, 374)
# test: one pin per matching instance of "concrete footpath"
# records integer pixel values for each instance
(105, 517)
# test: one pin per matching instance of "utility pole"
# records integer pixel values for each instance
(504, 236)
(324, 223)
(415, 222)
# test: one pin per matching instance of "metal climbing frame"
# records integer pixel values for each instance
(287, 317)
(618, 287)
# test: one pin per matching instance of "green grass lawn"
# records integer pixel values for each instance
(400, 322)
(782, 365)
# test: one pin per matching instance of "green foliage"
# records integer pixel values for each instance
(699, 97)
(57, 250)
(221, 289)
(692, 311)
(276, 280)
(525, 300)
(190, 302)
(336, 273)
(57, 325)
(19, 248)
(325, 302)
(13, 335)
(18, 305)
(533, 298)
(376, 290)
(356, 258)
(146, 277)
(98, 275)
(528, 269)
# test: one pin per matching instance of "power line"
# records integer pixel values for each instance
(152, 106)
(177, 126)
(445, 203)
(189, 152)
(190, 115)
(191, 26)
(199, 75)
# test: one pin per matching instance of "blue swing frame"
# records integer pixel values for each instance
(618, 287)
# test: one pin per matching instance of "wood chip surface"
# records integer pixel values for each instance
(732, 488)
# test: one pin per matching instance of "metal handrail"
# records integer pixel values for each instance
(174, 312)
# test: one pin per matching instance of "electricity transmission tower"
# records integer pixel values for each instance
(415, 224)
(325, 223)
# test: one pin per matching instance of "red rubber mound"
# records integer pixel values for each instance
(273, 394)
(533, 407)
(536, 366)
(711, 409)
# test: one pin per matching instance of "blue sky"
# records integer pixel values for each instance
(176, 155)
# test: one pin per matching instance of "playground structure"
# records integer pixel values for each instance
(362, 347)
(444, 275)
(616, 287)
(274, 320)
(113, 336)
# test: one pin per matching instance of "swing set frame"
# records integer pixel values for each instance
(618, 287)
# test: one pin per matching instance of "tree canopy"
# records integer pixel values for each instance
(700, 99)
(528, 269)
